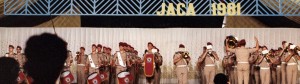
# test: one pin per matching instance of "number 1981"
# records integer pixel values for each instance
(230, 9)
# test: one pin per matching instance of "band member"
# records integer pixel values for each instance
(181, 60)
(10, 51)
(292, 62)
(137, 65)
(20, 57)
(92, 64)
(105, 60)
(129, 50)
(256, 68)
(99, 48)
(112, 75)
(283, 54)
(278, 67)
(66, 76)
(209, 58)
(158, 62)
(200, 66)
(228, 63)
(265, 63)
(120, 59)
(273, 66)
(69, 61)
(252, 61)
(242, 55)
(81, 59)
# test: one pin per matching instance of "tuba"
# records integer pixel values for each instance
(232, 41)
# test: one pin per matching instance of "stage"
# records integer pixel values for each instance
(166, 39)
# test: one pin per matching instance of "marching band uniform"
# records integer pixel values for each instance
(95, 61)
(181, 66)
(121, 60)
(20, 57)
(273, 67)
(10, 52)
(265, 72)
(209, 57)
(283, 54)
(137, 65)
(200, 67)
(81, 68)
(256, 67)
(242, 55)
(112, 71)
(278, 67)
(132, 58)
(228, 63)
(105, 60)
(158, 63)
(69, 61)
(291, 68)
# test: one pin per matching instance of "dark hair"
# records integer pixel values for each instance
(46, 54)
(99, 45)
(11, 46)
(94, 45)
(82, 48)
(220, 78)
(242, 43)
(279, 48)
(208, 43)
(122, 44)
(150, 43)
(181, 46)
(9, 70)
(19, 47)
(265, 47)
(283, 42)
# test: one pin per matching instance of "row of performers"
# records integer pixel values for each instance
(121, 68)
(101, 67)
(260, 65)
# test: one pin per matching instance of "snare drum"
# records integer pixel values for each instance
(124, 78)
(21, 77)
(66, 77)
(94, 78)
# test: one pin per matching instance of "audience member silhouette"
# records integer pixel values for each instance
(46, 54)
(9, 70)
(221, 78)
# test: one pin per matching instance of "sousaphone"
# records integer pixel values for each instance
(232, 41)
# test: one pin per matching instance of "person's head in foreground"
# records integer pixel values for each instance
(9, 70)
(46, 54)
(221, 78)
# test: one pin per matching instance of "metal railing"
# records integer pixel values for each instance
(151, 7)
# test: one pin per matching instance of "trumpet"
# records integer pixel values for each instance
(77, 53)
(185, 55)
(297, 48)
